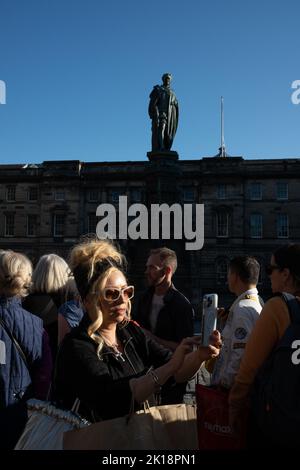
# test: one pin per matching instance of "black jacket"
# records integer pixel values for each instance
(103, 385)
(175, 319)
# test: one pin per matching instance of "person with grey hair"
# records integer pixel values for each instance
(25, 357)
(51, 287)
(163, 111)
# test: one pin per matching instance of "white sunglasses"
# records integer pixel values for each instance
(111, 294)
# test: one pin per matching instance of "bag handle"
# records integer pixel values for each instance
(76, 406)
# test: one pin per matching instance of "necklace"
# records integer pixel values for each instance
(114, 346)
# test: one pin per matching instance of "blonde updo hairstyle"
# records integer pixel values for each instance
(15, 274)
(86, 255)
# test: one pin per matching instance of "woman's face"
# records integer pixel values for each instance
(115, 311)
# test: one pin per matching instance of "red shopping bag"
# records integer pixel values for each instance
(214, 431)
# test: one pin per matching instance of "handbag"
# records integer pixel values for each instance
(46, 425)
(153, 428)
(214, 431)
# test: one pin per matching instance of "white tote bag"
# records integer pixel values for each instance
(46, 425)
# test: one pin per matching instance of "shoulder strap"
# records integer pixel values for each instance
(48, 307)
(293, 306)
(14, 341)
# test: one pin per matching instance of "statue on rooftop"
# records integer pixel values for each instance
(163, 111)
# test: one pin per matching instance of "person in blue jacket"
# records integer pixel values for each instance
(25, 357)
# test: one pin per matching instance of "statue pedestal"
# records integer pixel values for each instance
(162, 155)
(162, 175)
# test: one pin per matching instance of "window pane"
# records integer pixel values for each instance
(11, 193)
(282, 190)
(59, 222)
(256, 225)
(59, 195)
(188, 194)
(33, 193)
(221, 272)
(222, 224)
(114, 195)
(255, 191)
(282, 226)
(136, 195)
(9, 225)
(222, 191)
(31, 225)
(93, 195)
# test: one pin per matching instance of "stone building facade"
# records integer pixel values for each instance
(250, 207)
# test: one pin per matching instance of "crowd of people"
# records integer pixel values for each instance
(73, 331)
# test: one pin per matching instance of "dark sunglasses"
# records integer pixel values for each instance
(270, 268)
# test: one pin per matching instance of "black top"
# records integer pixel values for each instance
(102, 385)
(175, 319)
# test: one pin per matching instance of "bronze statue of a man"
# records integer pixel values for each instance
(163, 110)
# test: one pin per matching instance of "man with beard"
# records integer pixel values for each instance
(162, 311)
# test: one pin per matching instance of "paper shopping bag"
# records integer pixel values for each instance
(155, 428)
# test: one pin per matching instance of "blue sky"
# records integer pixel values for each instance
(78, 75)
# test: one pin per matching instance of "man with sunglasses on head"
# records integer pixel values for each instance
(164, 313)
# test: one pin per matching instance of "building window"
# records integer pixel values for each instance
(9, 225)
(92, 223)
(222, 191)
(256, 191)
(282, 191)
(222, 224)
(59, 195)
(188, 195)
(136, 195)
(11, 193)
(256, 226)
(58, 225)
(31, 225)
(33, 193)
(114, 195)
(93, 195)
(282, 226)
(221, 271)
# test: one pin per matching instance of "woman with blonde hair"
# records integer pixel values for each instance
(107, 361)
(51, 287)
(25, 358)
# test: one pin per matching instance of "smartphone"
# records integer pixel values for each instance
(209, 316)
